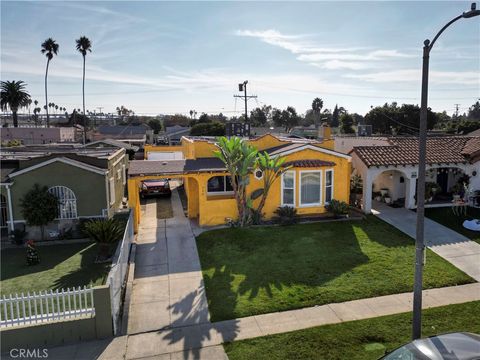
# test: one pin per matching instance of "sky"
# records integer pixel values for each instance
(170, 57)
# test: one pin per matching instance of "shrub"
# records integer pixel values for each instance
(104, 231)
(337, 207)
(287, 215)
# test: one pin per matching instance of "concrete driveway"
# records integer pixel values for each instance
(452, 246)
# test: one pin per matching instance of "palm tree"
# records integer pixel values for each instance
(13, 96)
(317, 106)
(49, 48)
(83, 46)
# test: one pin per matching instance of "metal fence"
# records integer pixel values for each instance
(44, 306)
(118, 273)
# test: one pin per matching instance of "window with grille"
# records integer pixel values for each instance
(67, 202)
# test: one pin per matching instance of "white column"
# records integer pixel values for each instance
(10, 207)
(410, 190)
(367, 191)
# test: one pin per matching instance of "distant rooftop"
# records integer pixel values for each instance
(37, 151)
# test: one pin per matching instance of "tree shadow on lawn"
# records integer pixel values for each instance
(14, 260)
(275, 268)
(191, 325)
(88, 273)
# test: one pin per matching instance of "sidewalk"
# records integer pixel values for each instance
(457, 249)
(206, 335)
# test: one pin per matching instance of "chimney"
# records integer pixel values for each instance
(324, 131)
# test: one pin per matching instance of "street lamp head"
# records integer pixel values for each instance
(473, 12)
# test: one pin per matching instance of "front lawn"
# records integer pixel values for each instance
(61, 266)
(276, 268)
(356, 340)
(446, 217)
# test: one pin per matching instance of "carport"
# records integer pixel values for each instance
(140, 170)
(195, 174)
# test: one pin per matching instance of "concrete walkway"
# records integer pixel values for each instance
(450, 245)
(168, 288)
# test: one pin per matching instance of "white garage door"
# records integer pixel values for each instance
(162, 155)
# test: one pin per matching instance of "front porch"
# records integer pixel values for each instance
(446, 185)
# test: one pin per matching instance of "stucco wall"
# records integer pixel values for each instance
(89, 187)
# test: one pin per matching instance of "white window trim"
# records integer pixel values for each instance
(300, 204)
(294, 188)
(111, 185)
(220, 193)
(333, 184)
(73, 199)
(124, 174)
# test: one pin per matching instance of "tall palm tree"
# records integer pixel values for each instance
(13, 96)
(317, 106)
(83, 46)
(49, 48)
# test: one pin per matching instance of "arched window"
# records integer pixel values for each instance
(67, 202)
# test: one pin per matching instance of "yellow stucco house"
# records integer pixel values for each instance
(316, 175)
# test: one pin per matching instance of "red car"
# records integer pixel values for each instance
(155, 187)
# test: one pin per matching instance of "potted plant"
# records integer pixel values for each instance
(377, 196)
(456, 191)
(431, 189)
(387, 199)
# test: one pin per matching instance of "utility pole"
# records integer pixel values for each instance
(243, 87)
(422, 140)
(456, 110)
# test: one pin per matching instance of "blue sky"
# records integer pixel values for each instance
(165, 57)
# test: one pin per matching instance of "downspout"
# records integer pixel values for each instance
(10, 207)
(107, 194)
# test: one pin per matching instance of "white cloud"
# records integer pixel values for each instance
(414, 75)
(324, 57)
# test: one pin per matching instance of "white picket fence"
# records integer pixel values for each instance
(46, 306)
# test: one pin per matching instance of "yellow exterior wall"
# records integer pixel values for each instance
(266, 141)
(216, 209)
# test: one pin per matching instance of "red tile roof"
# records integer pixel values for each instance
(309, 163)
(404, 151)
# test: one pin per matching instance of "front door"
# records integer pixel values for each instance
(442, 180)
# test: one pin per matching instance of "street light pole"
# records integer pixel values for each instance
(419, 242)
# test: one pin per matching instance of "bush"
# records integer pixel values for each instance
(287, 215)
(337, 208)
(104, 231)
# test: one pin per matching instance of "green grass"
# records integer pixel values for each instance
(446, 217)
(267, 269)
(356, 340)
(61, 266)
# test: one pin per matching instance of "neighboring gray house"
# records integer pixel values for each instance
(39, 135)
(130, 134)
(173, 134)
(89, 182)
